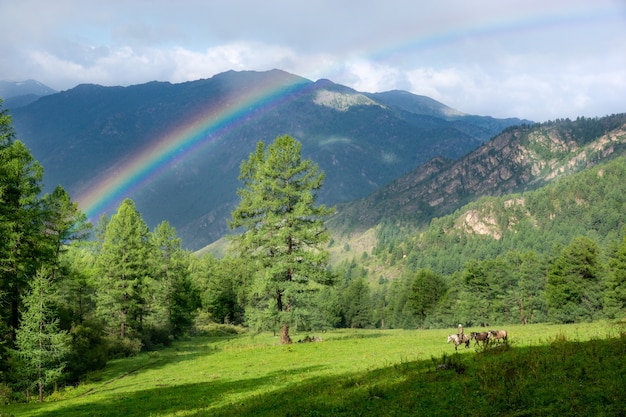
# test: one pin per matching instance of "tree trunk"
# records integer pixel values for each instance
(522, 315)
(284, 335)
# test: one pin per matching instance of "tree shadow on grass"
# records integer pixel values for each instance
(183, 351)
(167, 400)
(562, 378)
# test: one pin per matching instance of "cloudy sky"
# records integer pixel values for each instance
(538, 60)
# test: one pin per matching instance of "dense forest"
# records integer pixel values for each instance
(74, 295)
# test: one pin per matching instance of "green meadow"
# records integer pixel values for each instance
(544, 370)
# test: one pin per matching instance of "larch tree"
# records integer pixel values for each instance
(283, 232)
(615, 297)
(20, 222)
(574, 288)
(64, 223)
(357, 304)
(41, 347)
(427, 288)
(123, 266)
(172, 299)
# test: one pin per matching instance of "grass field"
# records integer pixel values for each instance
(544, 370)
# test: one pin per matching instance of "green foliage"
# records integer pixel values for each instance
(221, 286)
(63, 221)
(40, 347)
(171, 300)
(615, 298)
(506, 266)
(89, 351)
(426, 290)
(574, 290)
(21, 225)
(327, 311)
(76, 286)
(123, 269)
(399, 313)
(36, 231)
(357, 304)
(283, 230)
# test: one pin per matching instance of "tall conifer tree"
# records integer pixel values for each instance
(283, 229)
(20, 221)
(574, 289)
(123, 265)
(172, 299)
(41, 347)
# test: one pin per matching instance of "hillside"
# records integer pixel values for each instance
(590, 203)
(519, 159)
(91, 136)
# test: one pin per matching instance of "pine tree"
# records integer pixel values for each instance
(40, 346)
(283, 229)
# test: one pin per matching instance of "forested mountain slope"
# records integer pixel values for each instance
(520, 158)
(590, 203)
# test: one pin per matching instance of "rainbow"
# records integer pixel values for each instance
(104, 194)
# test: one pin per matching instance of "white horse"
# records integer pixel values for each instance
(458, 340)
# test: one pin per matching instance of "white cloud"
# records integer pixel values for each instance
(528, 59)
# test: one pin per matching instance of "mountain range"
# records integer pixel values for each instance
(364, 142)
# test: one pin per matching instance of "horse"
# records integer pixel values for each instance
(480, 337)
(457, 341)
(499, 335)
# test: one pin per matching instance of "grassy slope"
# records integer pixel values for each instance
(547, 370)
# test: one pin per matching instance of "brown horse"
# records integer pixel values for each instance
(480, 337)
(499, 335)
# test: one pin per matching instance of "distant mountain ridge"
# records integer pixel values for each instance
(362, 141)
(21, 93)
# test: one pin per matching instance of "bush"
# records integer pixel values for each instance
(6, 394)
(89, 351)
(154, 338)
(214, 329)
(123, 348)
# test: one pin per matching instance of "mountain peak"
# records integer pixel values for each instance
(413, 103)
(10, 89)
